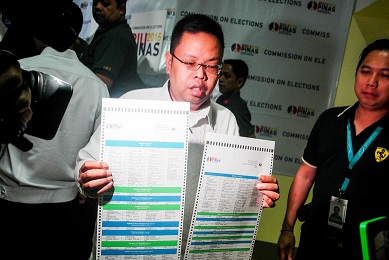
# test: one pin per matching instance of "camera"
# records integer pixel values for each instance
(50, 98)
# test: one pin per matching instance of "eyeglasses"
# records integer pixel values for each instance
(193, 66)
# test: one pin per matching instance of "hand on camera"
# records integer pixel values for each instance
(15, 98)
(15, 103)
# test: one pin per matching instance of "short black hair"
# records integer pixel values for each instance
(239, 67)
(118, 2)
(378, 45)
(121, 2)
(196, 23)
(60, 29)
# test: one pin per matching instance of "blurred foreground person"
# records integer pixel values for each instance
(38, 193)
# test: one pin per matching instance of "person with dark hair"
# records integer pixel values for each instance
(39, 196)
(346, 160)
(193, 64)
(112, 56)
(231, 80)
(32, 21)
(113, 48)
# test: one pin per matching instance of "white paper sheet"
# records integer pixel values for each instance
(145, 145)
(228, 206)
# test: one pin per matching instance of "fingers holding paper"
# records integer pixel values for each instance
(268, 186)
(95, 178)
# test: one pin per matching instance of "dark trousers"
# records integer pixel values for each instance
(40, 231)
(87, 221)
(318, 248)
(324, 243)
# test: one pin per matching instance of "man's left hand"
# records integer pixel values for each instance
(268, 185)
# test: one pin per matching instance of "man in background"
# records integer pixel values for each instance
(113, 48)
(231, 80)
(346, 160)
(39, 196)
(27, 19)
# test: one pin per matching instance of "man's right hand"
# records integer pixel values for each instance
(95, 178)
(286, 243)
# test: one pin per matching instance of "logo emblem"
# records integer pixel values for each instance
(381, 154)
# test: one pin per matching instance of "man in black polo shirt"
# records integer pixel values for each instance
(113, 48)
(347, 161)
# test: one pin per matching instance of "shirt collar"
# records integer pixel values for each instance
(349, 113)
(118, 22)
(195, 116)
(68, 53)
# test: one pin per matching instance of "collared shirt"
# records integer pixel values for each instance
(212, 118)
(114, 54)
(367, 192)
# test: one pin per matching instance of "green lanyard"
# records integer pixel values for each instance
(350, 151)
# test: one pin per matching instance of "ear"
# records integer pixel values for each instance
(168, 58)
(122, 9)
(240, 83)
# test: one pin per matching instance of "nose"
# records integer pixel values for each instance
(373, 80)
(97, 5)
(200, 72)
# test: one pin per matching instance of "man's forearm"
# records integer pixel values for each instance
(298, 194)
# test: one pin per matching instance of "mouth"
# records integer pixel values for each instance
(197, 91)
(98, 17)
(221, 88)
(370, 94)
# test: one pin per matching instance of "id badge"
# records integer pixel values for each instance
(337, 212)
